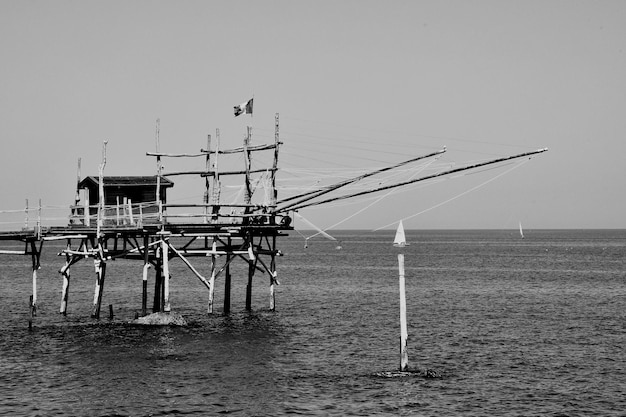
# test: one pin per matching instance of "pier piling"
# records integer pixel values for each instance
(166, 276)
(65, 272)
(227, 284)
(146, 266)
(156, 305)
(249, 286)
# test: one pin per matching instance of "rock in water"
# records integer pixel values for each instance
(161, 319)
(430, 373)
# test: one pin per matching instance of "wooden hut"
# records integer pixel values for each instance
(127, 199)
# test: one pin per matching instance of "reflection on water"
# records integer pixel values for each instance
(513, 327)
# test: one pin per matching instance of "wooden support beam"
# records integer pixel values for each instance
(35, 256)
(211, 286)
(251, 268)
(100, 266)
(13, 252)
(34, 304)
(63, 237)
(38, 227)
(227, 282)
(175, 155)
(251, 148)
(146, 266)
(156, 305)
(273, 280)
(166, 276)
(31, 313)
(189, 265)
(207, 165)
(212, 173)
(274, 191)
(86, 214)
(131, 217)
(217, 186)
(66, 280)
(247, 198)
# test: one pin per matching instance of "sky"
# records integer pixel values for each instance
(357, 85)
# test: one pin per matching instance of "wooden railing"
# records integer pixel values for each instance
(150, 213)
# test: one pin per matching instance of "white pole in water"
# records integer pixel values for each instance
(404, 357)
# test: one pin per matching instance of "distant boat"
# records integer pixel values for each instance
(521, 231)
(400, 239)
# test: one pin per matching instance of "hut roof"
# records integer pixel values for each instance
(125, 181)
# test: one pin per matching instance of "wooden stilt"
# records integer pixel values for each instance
(35, 259)
(100, 267)
(166, 277)
(273, 280)
(146, 266)
(30, 313)
(156, 306)
(227, 283)
(404, 357)
(34, 291)
(212, 285)
(272, 294)
(249, 286)
(96, 293)
(65, 272)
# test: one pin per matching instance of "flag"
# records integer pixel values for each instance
(244, 108)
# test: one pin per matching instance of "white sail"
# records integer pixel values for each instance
(400, 239)
(521, 232)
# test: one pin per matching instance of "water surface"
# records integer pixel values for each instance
(514, 327)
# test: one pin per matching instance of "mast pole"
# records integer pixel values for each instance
(77, 198)
(274, 192)
(159, 169)
(206, 179)
(216, 179)
(101, 188)
(247, 160)
(75, 210)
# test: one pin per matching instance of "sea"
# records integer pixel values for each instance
(497, 325)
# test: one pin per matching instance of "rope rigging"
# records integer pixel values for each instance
(303, 203)
(455, 197)
(377, 200)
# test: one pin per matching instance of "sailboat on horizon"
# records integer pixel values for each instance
(400, 239)
(521, 231)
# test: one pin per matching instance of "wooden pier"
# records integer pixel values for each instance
(129, 217)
